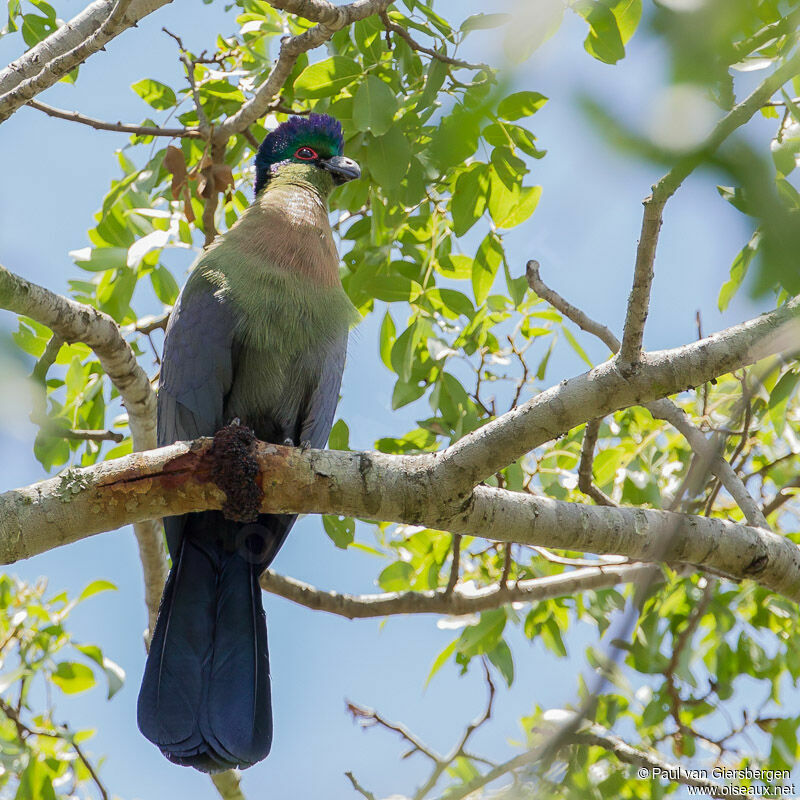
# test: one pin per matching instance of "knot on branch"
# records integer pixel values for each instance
(234, 468)
(757, 565)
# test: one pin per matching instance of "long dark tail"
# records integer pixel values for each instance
(205, 696)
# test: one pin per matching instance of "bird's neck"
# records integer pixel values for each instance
(287, 230)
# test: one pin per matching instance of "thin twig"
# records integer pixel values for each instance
(458, 602)
(639, 299)
(415, 45)
(119, 127)
(367, 717)
(24, 730)
(681, 643)
(358, 787)
(454, 566)
(585, 482)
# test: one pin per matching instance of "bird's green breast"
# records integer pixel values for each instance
(279, 270)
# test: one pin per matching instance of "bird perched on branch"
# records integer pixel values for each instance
(258, 335)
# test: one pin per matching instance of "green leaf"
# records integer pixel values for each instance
(95, 587)
(36, 782)
(457, 302)
(164, 285)
(405, 393)
(439, 661)
(327, 77)
(396, 577)
(628, 14)
(72, 677)
(484, 267)
(339, 438)
(779, 399)
(374, 107)
(387, 339)
(502, 659)
(485, 636)
(576, 346)
(469, 197)
(604, 41)
(388, 157)
(155, 94)
(114, 673)
(341, 530)
(402, 355)
(392, 289)
(738, 273)
(99, 259)
(480, 22)
(524, 205)
(520, 104)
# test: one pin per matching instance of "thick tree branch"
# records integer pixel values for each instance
(119, 127)
(457, 602)
(76, 322)
(605, 389)
(69, 36)
(330, 18)
(661, 409)
(52, 60)
(178, 479)
(639, 300)
(413, 489)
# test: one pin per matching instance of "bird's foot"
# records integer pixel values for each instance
(235, 421)
(305, 445)
(288, 442)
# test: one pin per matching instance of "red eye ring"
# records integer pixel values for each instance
(305, 154)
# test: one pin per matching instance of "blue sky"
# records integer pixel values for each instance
(584, 234)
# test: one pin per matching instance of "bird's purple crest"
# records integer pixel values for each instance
(321, 132)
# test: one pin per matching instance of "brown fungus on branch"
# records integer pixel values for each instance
(234, 469)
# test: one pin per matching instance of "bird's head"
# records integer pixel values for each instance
(307, 148)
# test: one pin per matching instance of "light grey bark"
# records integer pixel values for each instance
(66, 48)
(661, 409)
(458, 602)
(330, 18)
(76, 322)
(177, 479)
(607, 388)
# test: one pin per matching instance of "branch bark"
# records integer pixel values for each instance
(76, 322)
(605, 389)
(433, 489)
(68, 47)
(459, 601)
(639, 299)
(330, 18)
(661, 409)
(178, 479)
(594, 737)
(119, 127)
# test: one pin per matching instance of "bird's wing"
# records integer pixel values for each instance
(322, 403)
(196, 373)
(197, 367)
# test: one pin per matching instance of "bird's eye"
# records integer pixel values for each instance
(306, 154)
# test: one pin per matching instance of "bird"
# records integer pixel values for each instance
(257, 337)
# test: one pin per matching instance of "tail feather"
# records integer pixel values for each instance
(238, 718)
(205, 695)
